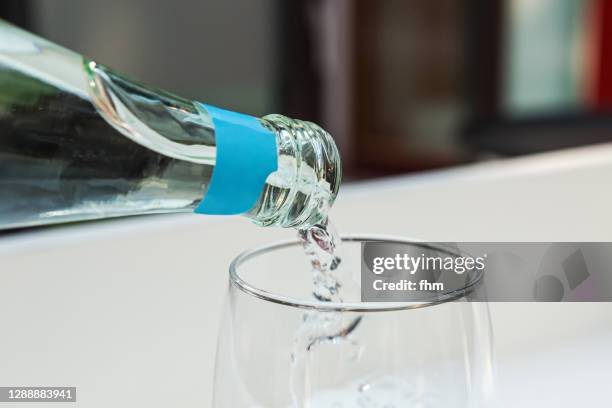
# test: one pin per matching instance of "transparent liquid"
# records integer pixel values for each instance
(318, 329)
(325, 336)
(320, 244)
(330, 348)
(381, 392)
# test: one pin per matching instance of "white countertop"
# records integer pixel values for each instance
(128, 310)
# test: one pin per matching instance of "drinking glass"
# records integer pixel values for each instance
(280, 347)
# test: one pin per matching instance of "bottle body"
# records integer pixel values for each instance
(79, 141)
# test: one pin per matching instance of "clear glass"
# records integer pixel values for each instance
(428, 354)
(79, 141)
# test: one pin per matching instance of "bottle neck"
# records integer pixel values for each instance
(298, 194)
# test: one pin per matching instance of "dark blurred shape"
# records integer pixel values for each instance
(509, 137)
(17, 12)
(299, 81)
(410, 74)
(484, 34)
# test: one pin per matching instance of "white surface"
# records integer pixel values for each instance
(128, 310)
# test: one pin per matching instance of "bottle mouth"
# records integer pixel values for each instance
(309, 173)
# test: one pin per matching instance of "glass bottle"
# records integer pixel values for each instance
(79, 141)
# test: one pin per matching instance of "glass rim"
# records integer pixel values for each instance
(313, 304)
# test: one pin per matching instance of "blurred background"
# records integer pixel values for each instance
(403, 85)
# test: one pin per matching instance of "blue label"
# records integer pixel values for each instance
(246, 155)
